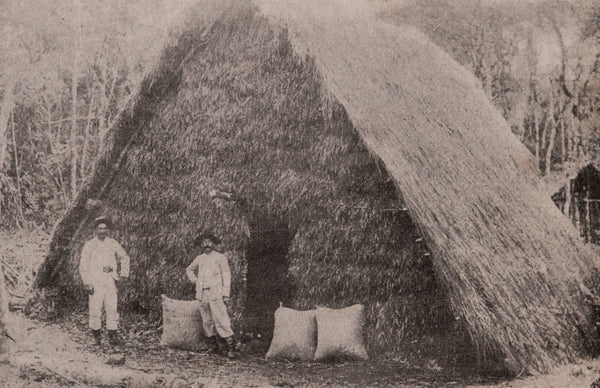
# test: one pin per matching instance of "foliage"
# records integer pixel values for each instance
(68, 68)
(537, 62)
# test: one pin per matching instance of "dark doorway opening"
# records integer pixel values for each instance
(267, 281)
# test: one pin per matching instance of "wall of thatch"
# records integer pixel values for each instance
(249, 117)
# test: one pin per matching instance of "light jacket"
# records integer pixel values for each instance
(99, 259)
(210, 271)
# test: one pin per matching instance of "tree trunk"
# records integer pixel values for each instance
(73, 134)
(8, 103)
(568, 199)
(574, 138)
(552, 129)
(86, 139)
(4, 344)
(563, 54)
(74, 83)
(20, 219)
(537, 138)
(569, 150)
(563, 147)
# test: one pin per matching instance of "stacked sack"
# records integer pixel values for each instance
(319, 334)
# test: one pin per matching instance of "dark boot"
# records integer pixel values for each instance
(97, 337)
(113, 338)
(230, 347)
(211, 345)
(202, 346)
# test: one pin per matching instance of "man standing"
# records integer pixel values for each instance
(101, 258)
(210, 272)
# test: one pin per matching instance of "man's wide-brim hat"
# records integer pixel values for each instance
(206, 236)
(102, 220)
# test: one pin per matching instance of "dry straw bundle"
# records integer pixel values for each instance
(318, 115)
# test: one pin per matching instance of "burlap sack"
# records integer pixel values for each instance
(182, 324)
(294, 335)
(339, 333)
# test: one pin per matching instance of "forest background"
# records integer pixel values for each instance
(68, 67)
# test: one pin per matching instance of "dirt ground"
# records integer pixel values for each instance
(61, 353)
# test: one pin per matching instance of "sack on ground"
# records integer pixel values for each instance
(182, 323)
(294, 335)
(339, 333)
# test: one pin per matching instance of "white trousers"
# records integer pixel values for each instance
(105, 295)
(215, 319)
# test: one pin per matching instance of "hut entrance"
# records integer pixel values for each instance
(267, 276)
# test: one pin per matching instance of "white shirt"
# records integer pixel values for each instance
(99, 259)
(212, 273)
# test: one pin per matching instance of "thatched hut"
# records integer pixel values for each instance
(342, 160)
(579, 199)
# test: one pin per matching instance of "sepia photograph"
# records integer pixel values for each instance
(300, 193)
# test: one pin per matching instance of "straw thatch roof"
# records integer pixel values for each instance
(510, 265)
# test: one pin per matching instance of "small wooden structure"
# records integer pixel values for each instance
(579, 199)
